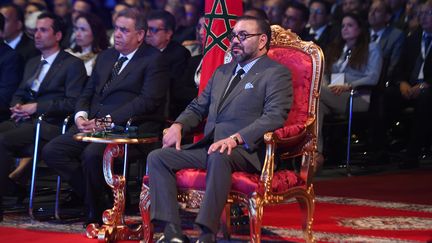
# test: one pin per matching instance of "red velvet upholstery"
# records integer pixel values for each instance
(300, 65)
(242, 182)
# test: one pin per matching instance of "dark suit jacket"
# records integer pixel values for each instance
(410, 60)
(26, 48)
(139, 89)
(58, 91)
(326, 37)
(11, 69)
(258, 104)
(391, 42)
(176, 57)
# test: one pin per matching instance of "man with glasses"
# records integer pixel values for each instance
(320, 29)
(242, 100)
(296, 17)
(161, 27)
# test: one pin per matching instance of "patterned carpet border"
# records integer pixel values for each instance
(270, 233)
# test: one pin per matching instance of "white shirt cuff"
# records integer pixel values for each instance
(80, 113)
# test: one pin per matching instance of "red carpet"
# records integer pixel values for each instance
(408, 186)
(392, 207)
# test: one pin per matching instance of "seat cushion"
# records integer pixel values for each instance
(241, 181)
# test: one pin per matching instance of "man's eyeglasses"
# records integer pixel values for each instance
(316, 11)
(154, 30)
(242, 36)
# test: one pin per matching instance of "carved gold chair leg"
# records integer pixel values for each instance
(255, 218)
(145, 214)
(307, 208)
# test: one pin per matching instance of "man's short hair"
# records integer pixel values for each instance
(302, 8)
(167, 18)
(326, 4)
(18, 11)
(135, 14)
(263, 26)
(57, 25)
(259, 13)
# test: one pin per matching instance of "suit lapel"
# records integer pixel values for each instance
(250, 77)
(106, 75)
(57, 64)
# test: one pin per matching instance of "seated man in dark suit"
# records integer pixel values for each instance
(161, 26)
(412, 87)
(127, 80)
(320, 28)
(296, 17)
(10, 74)
(14, 34)
(51, 85)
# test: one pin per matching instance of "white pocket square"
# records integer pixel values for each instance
(248, 86)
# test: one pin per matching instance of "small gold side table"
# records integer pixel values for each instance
(114, 227)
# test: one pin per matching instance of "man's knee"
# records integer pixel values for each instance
(153, 159)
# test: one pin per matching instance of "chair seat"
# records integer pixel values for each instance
(242, 182)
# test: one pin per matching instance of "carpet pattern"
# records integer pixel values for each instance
(337, 219)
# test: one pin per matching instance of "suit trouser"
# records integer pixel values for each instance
(15, 140)
(335, 104)
(162, 165)
(80, 164)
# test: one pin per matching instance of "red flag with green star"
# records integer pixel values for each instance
(220, 16)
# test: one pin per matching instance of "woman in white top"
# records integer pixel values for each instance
(351, 61)
(90, 38)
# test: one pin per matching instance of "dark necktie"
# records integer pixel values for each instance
(34, 80)
(117, 66)
(374, 37)
(234, 83)
(427, 40)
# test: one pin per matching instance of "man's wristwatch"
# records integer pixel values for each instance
(233, 137)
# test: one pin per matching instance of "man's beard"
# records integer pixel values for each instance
(240, 56)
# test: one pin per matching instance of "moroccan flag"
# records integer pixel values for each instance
(220, 18)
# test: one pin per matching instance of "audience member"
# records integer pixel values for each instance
(63, 9)
(13, 33)
(351, 61)
(233, 131)
(320, 28)
(275, 10)
(127, 80)
(388, 37)
(161, 26)
(50, 86)
(90, 37)
(192, 14)
(117, 9)
(79, 7)
(411, 20)
(296, 17)
(196, 47)
(10, 74)
(182, 32)
(411, 87)
(398, 13)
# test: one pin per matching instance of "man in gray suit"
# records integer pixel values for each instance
(243, 100)
(388, 37)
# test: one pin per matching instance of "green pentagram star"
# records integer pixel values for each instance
(226, 18)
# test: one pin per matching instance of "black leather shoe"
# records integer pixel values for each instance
(179, 239)
(206, 238)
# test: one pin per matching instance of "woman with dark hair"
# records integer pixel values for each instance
(90, 38)
(351, 61)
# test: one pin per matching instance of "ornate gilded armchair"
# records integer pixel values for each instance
(298, 138)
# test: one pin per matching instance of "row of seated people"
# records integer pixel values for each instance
(395, 65)
(133, 78)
